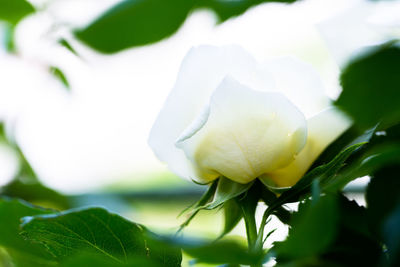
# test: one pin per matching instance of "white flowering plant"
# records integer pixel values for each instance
(261, 138)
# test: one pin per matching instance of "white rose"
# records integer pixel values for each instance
(230, 116)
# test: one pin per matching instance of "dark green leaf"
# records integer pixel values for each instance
(23, 252)
(383, 194)
(13, 11)
(139, 22)
(373, 159)
(391, 235)
(371, 85)
(97, 232)
(313, 229)
(134, 23)
(354, 244)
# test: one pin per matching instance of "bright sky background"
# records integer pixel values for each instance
(97, 133)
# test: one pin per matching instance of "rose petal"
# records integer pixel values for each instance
(323, 129)
(201, 72)
(300, 83)
(246, 134)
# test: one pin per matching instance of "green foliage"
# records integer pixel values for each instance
(312, 230)
(371, 85)
(226, 190)
(391, 235)
(95, 232)
(322, 174)
(138, 22)
(332, 231)
(13, 11)
(225, 251)
(30, 189)
(135, 22)
(60, 76)
(23, 253)
(385, 182)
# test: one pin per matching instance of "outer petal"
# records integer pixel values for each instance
(246, 134)
(201, 72)
(323, 129)
(300, 83)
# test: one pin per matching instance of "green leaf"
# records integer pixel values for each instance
(134, 23)
(31, 190)
(138, 22)
(391, 234)
(95, 231)
(383, 194)
(23, 253)
(60, 76)
(354, 244)
(85, 260)
(199, 204)
(371, 85)
(350, 137)
(323, 173)
(226, 190)
(313, 229)
(232, 216)
(13, 11)
(224, 251)
(372, 160)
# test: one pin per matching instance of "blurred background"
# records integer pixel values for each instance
(77, 120)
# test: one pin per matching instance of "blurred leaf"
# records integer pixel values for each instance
(85, 260)
(13, 11)
(313, 229)
(68, 46)
(383, 194)
(97, 232)
(134, 23)
(354, 244)
(391, 235)
(138, 22)
(226, 190)
(23, 253)
(333, 232)
(31, 190)
(216, 252)
(60, 76)
(371, 88)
